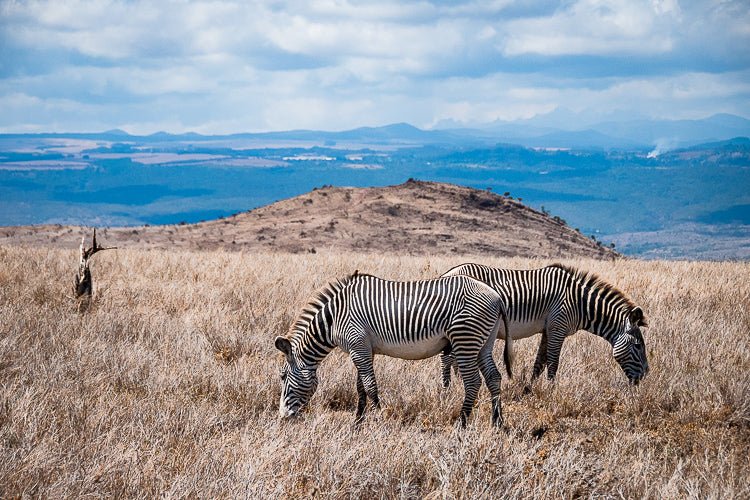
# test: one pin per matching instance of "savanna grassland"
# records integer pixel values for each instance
(168, 386)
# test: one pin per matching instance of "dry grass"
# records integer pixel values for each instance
(169, 387)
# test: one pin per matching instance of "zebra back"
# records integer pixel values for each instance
(587, 301)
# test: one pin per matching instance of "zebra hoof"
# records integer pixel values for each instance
(539, 432)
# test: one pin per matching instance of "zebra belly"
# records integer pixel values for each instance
(522, 330)
(421, 349)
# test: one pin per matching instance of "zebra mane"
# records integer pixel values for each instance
(590, 280)
(320, 298)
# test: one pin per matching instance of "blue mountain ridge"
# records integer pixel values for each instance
(634, 134)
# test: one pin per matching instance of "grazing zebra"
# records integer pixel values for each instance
(365, 315)
(558, 301)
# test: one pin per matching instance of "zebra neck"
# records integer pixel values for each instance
(600, 313)
(314, 342)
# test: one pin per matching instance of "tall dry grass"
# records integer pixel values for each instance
(169, 386)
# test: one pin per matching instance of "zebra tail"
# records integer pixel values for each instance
(508, 349)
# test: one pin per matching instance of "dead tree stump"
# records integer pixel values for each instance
(83, 290)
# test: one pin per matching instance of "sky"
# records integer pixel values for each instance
(252, 66)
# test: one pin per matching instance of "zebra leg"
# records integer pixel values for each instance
(467, 367)
(492, 378)
(362, 359)
(447, 360)
(554, 346)
(541, 357)
(362, 401)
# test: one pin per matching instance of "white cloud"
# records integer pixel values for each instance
(596, 27)
(334, 64)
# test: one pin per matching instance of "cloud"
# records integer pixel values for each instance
(229, 65)
(595, 27)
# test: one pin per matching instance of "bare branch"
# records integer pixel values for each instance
(84, 285)
(95, 247)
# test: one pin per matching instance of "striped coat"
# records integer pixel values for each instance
(364, 315)
(557, 301)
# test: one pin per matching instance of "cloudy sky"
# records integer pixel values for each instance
(230, 66)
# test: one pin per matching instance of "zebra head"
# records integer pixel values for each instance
(298, 383)
(629, 347)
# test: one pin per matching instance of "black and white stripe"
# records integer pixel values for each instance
(557, 301)
(364, 315)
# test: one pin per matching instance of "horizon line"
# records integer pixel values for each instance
(484, 127)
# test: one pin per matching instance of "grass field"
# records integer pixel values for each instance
(169, 386)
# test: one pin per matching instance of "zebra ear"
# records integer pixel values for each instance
(636, 317)
(283, 345)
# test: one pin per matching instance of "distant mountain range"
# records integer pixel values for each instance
(671, 197)
(555, 130)
(539, 132)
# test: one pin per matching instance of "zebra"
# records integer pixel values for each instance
(558, 301)
(365, 315)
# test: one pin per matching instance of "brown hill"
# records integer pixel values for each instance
(411, 218)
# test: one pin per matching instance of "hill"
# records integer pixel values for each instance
(411, 218)
(657, 202)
